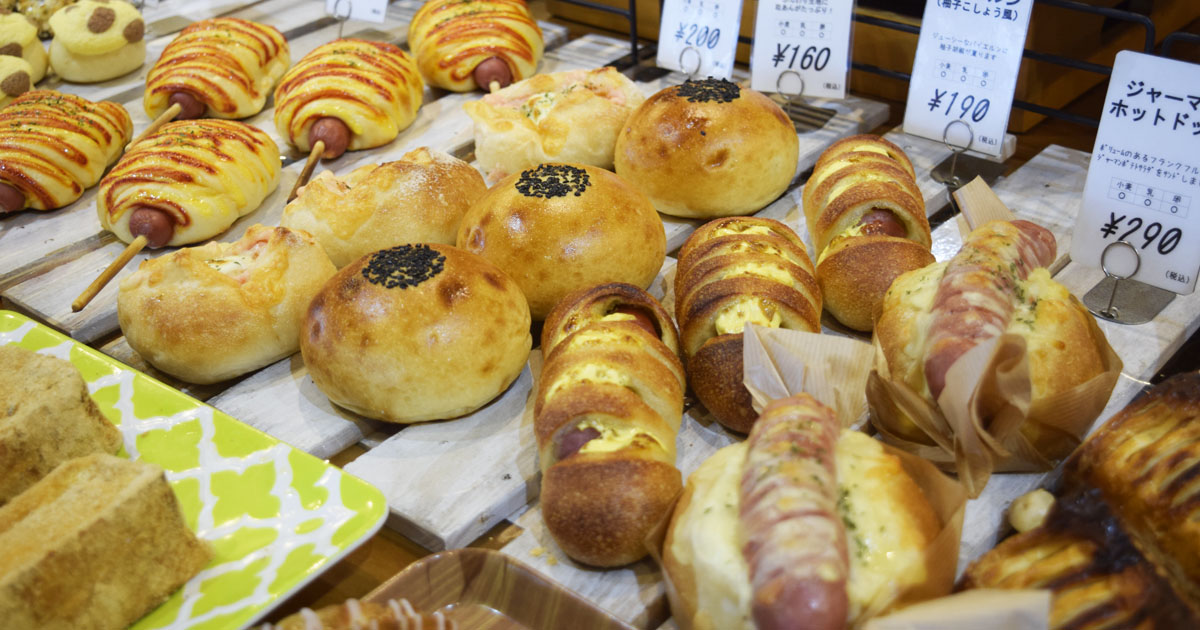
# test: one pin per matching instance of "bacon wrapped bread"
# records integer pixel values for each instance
(188, 182)
(19, 38)
(731, 272)
(351, 94)
(608, 407)
(464, 45)
(356, 615)
(54, 145)
(218, 68)
(866, 217)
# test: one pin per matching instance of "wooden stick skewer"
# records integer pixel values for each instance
(107, 275)
(162, 119)
(313, 157)
(494, 87)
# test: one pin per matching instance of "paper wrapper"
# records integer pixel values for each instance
(978, 610)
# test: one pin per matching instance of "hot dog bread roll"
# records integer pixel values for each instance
(19, 38)
(571, 116)
(54, 145)
(463, 45)
(97, 40)
(372, 88)
(356, 615)
(608, 407)
(797, 527)
(209, 313)
(199, 176)
(731, 272)
(866, 218)
(222, 68)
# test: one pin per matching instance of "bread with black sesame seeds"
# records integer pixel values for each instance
(416, 333)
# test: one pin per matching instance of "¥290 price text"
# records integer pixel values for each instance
(698, 35)
(813, 58)
(1143, 233)
(959, 105)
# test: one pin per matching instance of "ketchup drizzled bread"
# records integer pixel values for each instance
(451, 38)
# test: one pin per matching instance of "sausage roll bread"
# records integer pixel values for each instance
(866, 217)
(97, 40)
(219, 68)
(416, 333)
(351, 94)
(608, 407)
(420, 198)
(996, 284)
(209, 313)
(463, 45)
(799, 527)
(558, 228)
(188, 182)
(356, 615)
(54, 145)
(15, 78)
(708, 148)
(19, 38)
(571, 116)
(731, 272)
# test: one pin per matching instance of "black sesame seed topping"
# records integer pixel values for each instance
(707, 90)
(553, 180)
(403, 266)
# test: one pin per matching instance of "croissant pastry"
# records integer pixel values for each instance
(731, 272)
(462, 45)
(219, 68)
(54, 145)
(372, 88)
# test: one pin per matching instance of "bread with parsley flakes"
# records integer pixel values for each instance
(453, 38)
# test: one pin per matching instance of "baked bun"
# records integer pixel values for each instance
(97, 40)
(15, 78)
(558, 228)
(451, 39)
(572, 116)
(210, 313)
(19, 38)
(707, 149)
(355, 615)
(420, 198)
(731, 272)
(372, 87)
(866, 217)
(416, 333)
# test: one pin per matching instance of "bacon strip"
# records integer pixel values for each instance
(976, 296)
(795, 541)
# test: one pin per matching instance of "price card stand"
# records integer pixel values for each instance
(958, 169)
(804, 116)
(1121, 300)
(341, 15)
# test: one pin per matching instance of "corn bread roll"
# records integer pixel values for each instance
(571, 116)
(420, 198)
(731, 272)
(15, 78)
(866, 217)
(19, 38)
(54, 145)
(827, 549)
(97, 40)
(373, 88)
(707, 149)
(355, 615)
(464, 45)
(46, 418)
(209, 313)
(226, 66)
(199, 175)
(608, 407)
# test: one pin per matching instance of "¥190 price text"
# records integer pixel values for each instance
(698, 35)
(1147, 232)
(813, 58)
(960, 105)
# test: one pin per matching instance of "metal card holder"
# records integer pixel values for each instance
(342, 18)
(804, 117)
(953, 174)
(1119, 299)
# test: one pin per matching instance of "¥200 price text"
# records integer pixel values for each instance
(813, 57)
(698, 35)
(959, 105)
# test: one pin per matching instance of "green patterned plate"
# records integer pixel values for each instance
(276, 516)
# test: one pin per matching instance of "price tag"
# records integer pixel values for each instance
(1143, 183)
(966, 67)
(809, 37)
(365, 10)
(699, 37)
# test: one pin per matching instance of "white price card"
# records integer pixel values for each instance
(1143, 183)
(699, 37)
(809, 38)
(365, 10)
(968, 55)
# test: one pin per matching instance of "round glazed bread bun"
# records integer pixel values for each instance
(708, 149)
(19, 38)
(213, 312)
(97, 40)
(416, 333)
(893, 524)
(420, 198)
(558, 228)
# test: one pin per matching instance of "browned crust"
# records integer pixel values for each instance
(857, 272)
(701, 307)
(716, 378)
(848, 208)
(703, 236)
(855, 143)
(816, 197)
(580, 308)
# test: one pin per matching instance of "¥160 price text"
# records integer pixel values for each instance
(698, 35)
(958, 104)
(813, 58)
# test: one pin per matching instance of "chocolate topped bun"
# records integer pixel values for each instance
(97, 40)
(416, 333)
(708, 149)
(16, 78)
(19, 38)
(558, 228)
